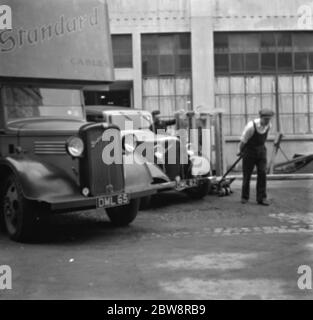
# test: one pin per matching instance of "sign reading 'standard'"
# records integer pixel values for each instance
(58, 39)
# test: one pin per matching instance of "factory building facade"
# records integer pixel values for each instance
(235, 56)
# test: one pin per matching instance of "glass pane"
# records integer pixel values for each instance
(31, 102)
(268, 41)
(268, 84)
(220, 42)
(310, 97)
(182, 102)
(253, 104)
(123, 61)
(301, 61)
(253, 84)
(268, 62)
(151, 87)
(301, 103)
(183, 86)
(237, 84)
(227, 125)
(183, 63)
(311, 84)
(303, 41)
(166, 45)
(222, 85)
(151, 103)
(300, 84)
(286, 123)
(244, 42)
(122, 43)
(238, 104)
(310, 61)
(237, 125)
(150, 65)
(149, 44)
(301, 123)
(184, 41)
(284, 41)
(284, 62)
(223, 102)
(221, 63)
(252, 62)
(167, 86)
(167, 106)
(285, 84)
(237, 62)
(122, 51)
(268, 101)
(286, 103)
(167, 65)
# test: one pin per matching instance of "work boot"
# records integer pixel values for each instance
(264, 203)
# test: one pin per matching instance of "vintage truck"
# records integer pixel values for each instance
(191, 176)
(51, 158)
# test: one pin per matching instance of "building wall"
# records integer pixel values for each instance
(202, 18)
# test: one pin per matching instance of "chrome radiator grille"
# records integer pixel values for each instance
(99, 177)
(49, 147)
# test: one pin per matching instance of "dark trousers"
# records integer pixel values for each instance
(254, 157)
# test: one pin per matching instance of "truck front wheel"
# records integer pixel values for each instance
(18, 214)
(124, 215)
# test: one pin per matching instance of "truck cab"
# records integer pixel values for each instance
(52, 160)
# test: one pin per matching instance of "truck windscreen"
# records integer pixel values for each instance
(35, 102)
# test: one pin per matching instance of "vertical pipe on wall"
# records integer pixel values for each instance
(136, 37)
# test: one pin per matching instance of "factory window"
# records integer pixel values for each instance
(263, 52)
(265, 69)
(166, 54)
(122, 50)
(166, 68)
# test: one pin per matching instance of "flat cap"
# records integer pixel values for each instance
(155, 112)
(266, 113)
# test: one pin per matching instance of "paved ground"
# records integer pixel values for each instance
(181, 249)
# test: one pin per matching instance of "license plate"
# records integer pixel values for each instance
(113, 201)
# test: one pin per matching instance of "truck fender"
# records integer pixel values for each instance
(138, 174)
(39, 181)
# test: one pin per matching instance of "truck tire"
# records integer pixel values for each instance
(2, 223)
(18, 214)
(124, 215)
(145, 203)
(199, 192)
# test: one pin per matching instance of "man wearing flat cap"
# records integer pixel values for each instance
(252, 148)
(160, 124)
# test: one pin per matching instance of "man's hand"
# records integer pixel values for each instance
(241, 148)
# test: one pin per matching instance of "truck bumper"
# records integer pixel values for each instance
(79, 202)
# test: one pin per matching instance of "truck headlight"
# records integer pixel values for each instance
(129, 143)
(75, 147)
